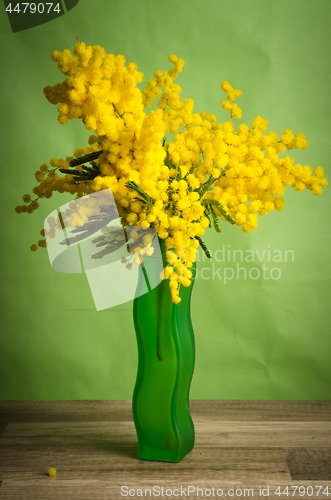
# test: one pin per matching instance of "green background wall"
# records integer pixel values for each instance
(255, 339)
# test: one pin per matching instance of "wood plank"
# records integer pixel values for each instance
(66, 411)
(164, 475)
(109, 488)
(309, 463)
(107, 410)
(227, 463)
(261, 434)
(256, 411)
(3, 426)
(93, 446)
(98, 435)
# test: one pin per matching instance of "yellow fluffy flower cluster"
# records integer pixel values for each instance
(208, 171)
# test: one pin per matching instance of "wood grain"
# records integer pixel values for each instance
(243, 445)
(309, 463)
(96, 410)
(3, 426)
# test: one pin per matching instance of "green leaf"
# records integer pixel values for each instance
(85, 158)
(220, 208)
(86, 174)
(203, 246)
(145, 197)
(215, 221)
(190, 171)
(205, 186)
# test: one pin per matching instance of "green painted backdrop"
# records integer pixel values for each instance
(255, 338)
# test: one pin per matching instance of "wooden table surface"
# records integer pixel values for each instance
(240, 446)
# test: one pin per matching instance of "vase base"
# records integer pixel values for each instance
(162, 455)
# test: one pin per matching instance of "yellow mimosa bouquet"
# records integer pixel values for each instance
(209, 171)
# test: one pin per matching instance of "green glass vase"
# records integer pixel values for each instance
(166, 353)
